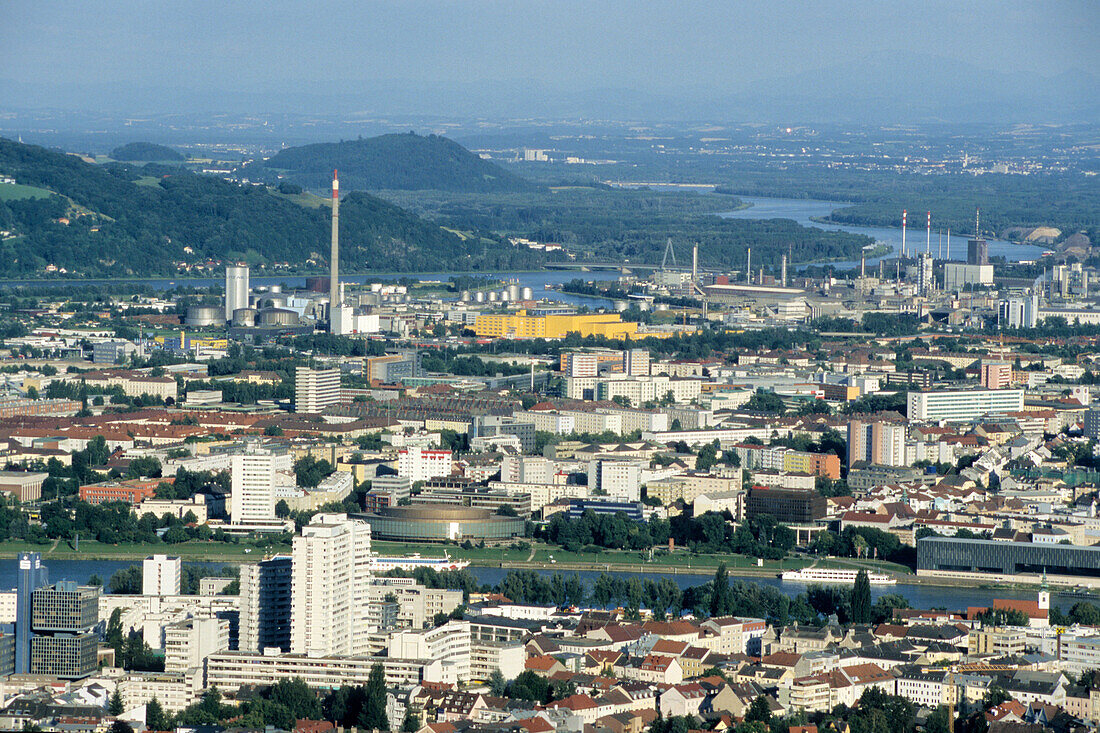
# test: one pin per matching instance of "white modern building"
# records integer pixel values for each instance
(253, 485)
(236, 289)
(963, 404)
(188, 643)
(620, 480)
(421, 464)
(315, 389)
(330, 579)
(160, 576)
(449, 643)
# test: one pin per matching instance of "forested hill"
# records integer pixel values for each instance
(145, 152)
(398, 162)
(120, 220)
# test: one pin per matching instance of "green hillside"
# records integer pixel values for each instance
(145, 152)
(399, 162)
(118, 227)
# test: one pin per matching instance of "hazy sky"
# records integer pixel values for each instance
(274, 46)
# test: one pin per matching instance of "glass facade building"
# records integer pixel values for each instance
(948, 554)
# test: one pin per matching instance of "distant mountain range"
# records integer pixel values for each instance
(122, 220)
(404, 162)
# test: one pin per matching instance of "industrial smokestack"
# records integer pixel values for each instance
(695, 265)
(904, 216)
(928, 243)
(334, 255)
(783, 272)
(748, 268)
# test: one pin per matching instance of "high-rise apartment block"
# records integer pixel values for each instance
(329, 597)
(265, 604)
(253, 485)
(315, 389)
(880, 442)
(160, 576)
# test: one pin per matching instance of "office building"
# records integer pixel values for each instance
(421, 464)
(315, 389)
(236, 290)
(1020, 312)
(265, 604)
(188, 643)
(63, 621)
(996, 374)
(580, 364)
(398, 487)
(963, 404)
(253, 485)
(788, 506)
(520, 325)
(878, 442)
(330, 575)
(945, 555)
(32, 576)
(392, 368)
(160, 576)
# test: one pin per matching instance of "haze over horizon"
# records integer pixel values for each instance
(822, 62)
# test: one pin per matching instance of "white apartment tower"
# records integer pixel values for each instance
(253, 485)
(315, 389)
(421, 464)
(160, 576)
(236, 289)
(329, 596)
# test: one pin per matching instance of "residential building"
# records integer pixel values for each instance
(188, 643)
(160, 576)
(330, 577)
(421, 464)
(878, 442)
(265, 604)
(315, 389)
(253, 485)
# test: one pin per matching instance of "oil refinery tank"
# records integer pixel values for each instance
(464, 296)
(244, 317)
(528, 294)
(271, 301)
(277, 317)
(479, 296)
(317, 284)
(494, 296)
(514, 292)
(204, 315)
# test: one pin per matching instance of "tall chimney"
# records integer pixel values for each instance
(695, 265)
(334, 255)
(748, 267)
(904, 216)
(783, 272)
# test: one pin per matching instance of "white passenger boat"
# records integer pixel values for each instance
(834, 575)
(381, 564)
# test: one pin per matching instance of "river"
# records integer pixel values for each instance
(919, 596)
(804, 211)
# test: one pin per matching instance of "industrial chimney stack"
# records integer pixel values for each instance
(334, 258)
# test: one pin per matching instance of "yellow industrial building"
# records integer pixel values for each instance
(519, 325)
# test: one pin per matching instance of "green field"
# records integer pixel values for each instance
(16, 191)
(92, 550)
